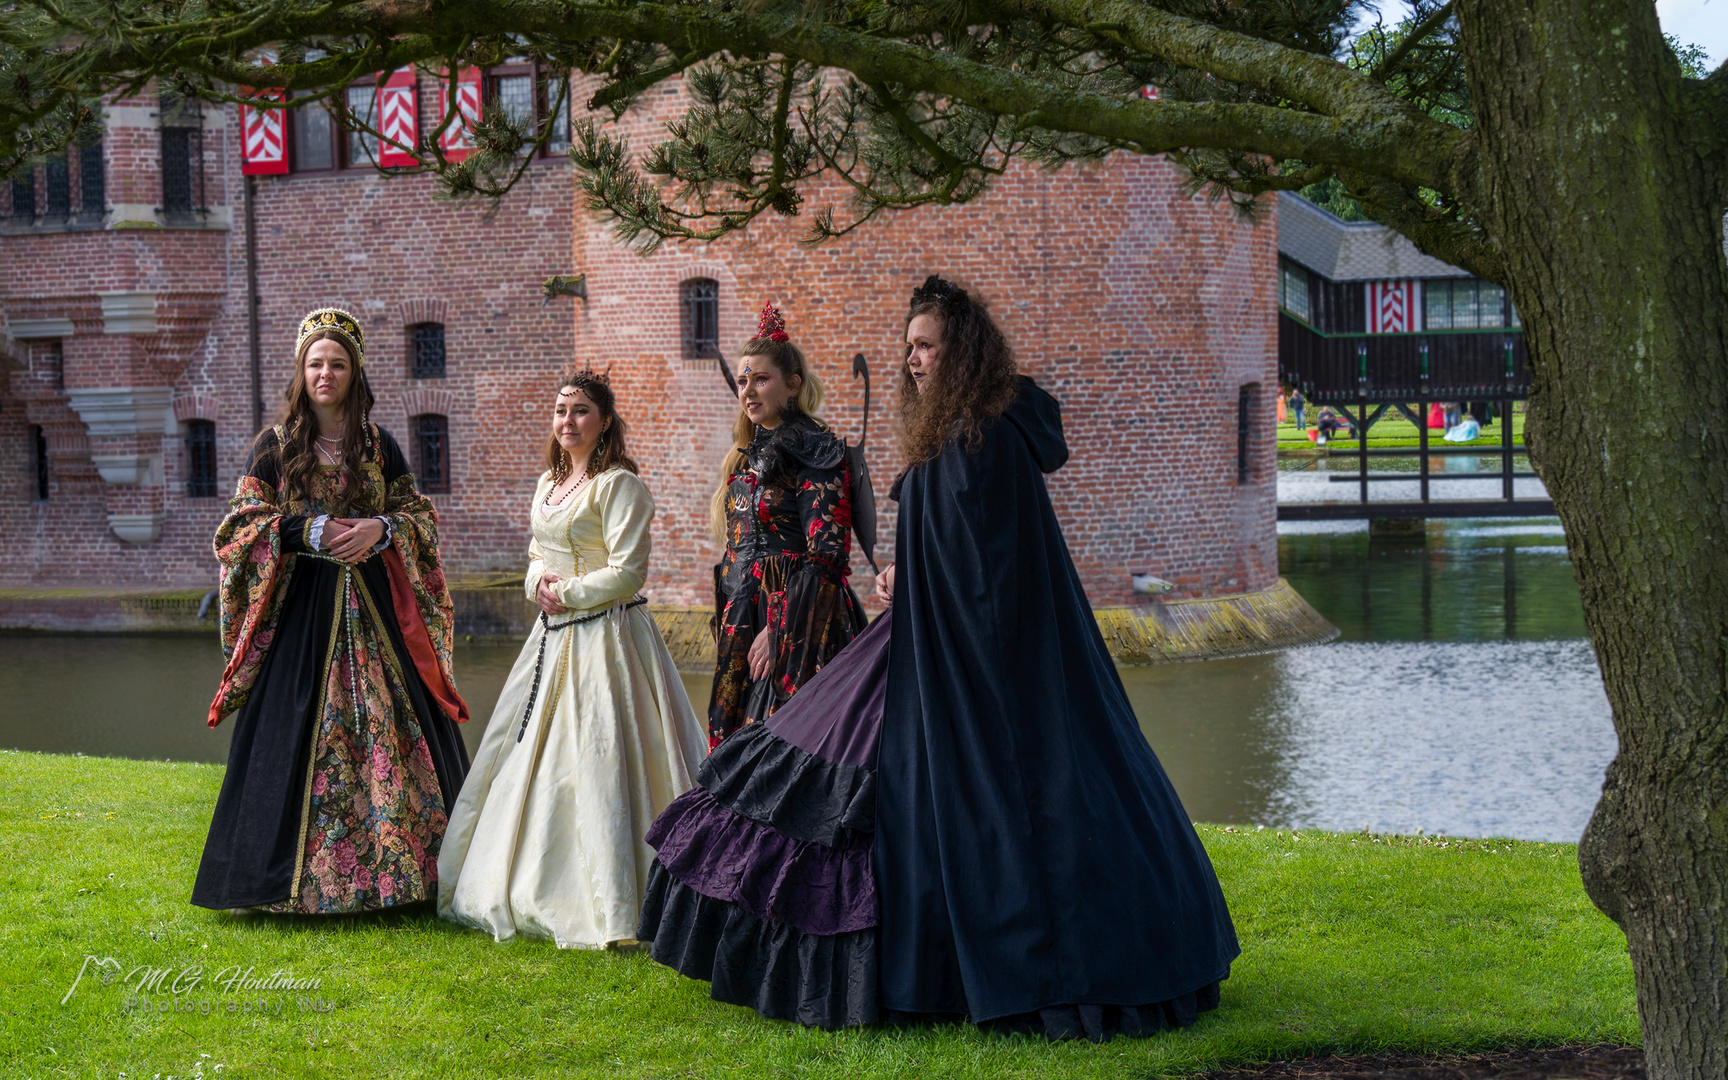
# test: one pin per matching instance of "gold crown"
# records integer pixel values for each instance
(338, 322)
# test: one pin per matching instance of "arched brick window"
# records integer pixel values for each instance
(432, 453)
(701, 303)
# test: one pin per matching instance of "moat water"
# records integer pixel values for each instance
(1462, 697)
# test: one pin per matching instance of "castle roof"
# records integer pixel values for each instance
(1340, 250)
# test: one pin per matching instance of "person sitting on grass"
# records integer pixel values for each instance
(1466, 430)
(1328, 424)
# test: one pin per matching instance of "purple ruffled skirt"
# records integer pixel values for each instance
(764, 883)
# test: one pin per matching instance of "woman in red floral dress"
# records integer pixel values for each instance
(783, 509)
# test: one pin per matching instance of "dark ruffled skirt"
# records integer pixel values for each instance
(764, 882)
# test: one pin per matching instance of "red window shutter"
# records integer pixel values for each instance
(398, 118)
(457, 142)
(263, 136)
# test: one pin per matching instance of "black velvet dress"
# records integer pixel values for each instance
(958, 817)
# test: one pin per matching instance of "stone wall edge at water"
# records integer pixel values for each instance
(1160, 632)
(1213, 628)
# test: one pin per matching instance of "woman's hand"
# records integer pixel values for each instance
(762, 655)
(545, 597)
(885, 584)
(356, 540)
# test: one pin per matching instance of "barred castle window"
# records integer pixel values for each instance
(24, 196)
(92, 179)
(64, 188)
(200, 459)
(39, 452)
(426, 350)
(58, 188)
(701, 300)
(182, 155)
(432, 453)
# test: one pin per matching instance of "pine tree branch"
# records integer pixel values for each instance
(1412, 40)
(1381, 135)
(1318, 82)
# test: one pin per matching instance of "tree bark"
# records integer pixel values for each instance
(1600, 192)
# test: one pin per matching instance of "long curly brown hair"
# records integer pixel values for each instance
(609, 451)
(975, 379)
(298, 461)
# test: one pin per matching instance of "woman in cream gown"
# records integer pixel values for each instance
(593, 734)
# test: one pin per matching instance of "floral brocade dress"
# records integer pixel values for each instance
(788, 552)
(345, 757)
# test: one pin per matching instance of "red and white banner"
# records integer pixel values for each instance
(1150, 93)
(1393, 307)
(263, 136)
(264, 132)
(398, 118)
(457, 142)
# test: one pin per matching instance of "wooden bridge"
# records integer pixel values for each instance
(1363, 377)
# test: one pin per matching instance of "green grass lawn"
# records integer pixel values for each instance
(1393, 430)
(1351, 943)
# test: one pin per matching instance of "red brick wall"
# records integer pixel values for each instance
(1141, 310)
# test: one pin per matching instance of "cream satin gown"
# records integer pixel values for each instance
(546, 838)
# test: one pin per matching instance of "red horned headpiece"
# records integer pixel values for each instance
(773, 324)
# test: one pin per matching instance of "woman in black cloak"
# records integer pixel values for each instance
(958, 816)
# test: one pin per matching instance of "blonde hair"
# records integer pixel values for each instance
(788, 359)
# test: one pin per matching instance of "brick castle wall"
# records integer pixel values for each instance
(1141, 310)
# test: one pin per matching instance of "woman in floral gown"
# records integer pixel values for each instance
(345, 757)
(593, 734)
(783, 509)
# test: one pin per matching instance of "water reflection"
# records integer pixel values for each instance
(1461, 699)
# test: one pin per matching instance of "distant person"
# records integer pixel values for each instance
(1466, 430)
(1297, 406)
(593, 735)
(1437, 417)
(345, 758)
(1328, 424)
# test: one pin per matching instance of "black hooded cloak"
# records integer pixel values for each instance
(1034, 866)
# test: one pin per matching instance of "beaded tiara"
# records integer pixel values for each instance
(338, 322)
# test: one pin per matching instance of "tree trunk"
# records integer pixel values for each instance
(1595, 184)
